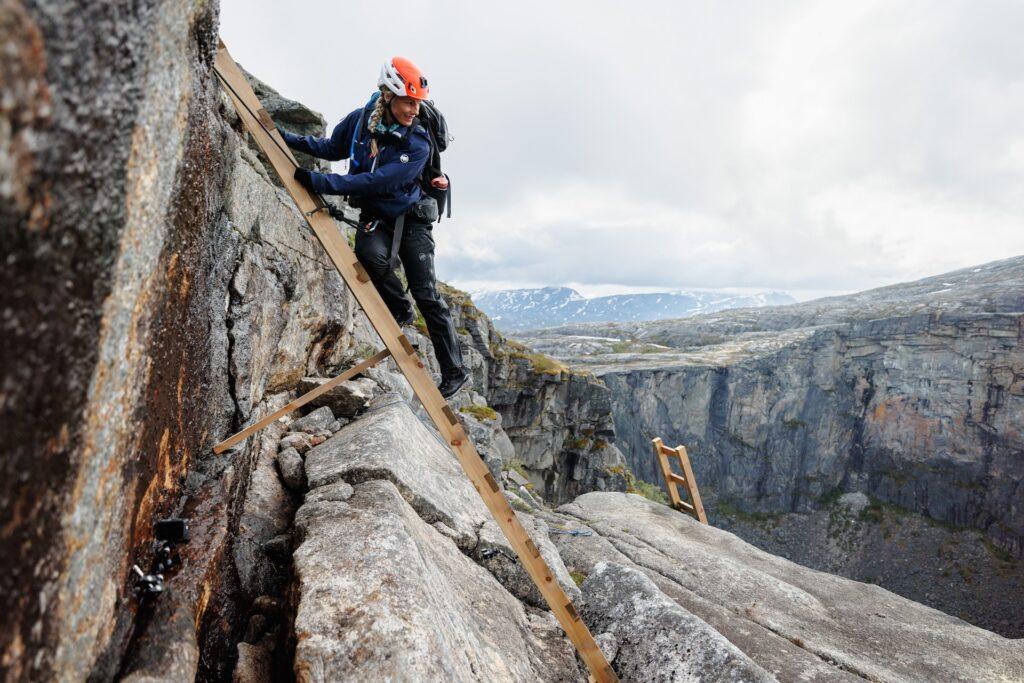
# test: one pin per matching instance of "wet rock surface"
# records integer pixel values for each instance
(109, 185)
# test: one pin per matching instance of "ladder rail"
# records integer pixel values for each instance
(693, 506)
(270, 143)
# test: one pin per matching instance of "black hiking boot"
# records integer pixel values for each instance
(450, 386)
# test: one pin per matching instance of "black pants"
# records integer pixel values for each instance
(417, 254)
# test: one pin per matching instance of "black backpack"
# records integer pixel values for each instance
(433, 121)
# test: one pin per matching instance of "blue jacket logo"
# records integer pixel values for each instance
(404, 158)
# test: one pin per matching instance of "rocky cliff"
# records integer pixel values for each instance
(559, 420)
(911, 395)
(160, 292)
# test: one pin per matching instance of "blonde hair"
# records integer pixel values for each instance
(375, 118)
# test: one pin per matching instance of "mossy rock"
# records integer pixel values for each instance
(480, 412)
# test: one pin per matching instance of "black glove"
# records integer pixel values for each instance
(304, 177)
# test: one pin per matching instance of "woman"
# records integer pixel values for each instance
(387, 151)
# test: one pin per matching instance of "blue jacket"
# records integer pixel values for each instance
(386, 186)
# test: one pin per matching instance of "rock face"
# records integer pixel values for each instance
(399, 570)
(958, 571)
(409, 577)
(390, 443)
(654, 638)
(910, 395)
(793, 622)
(383, 595)
(158, 292)
(110, 176)
(559, 420)
(916, 411)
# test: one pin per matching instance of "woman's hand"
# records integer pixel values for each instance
(440, 182)
(304, 177)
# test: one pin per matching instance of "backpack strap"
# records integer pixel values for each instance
(359, 124)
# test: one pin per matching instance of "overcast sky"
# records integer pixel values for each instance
(811, 147)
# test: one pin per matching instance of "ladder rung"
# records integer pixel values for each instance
(676, 478)
(686, 506)
(406, 344)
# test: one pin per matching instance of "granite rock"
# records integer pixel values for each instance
(655, 638)
(292, 470)
(345, 399)
(794, 622)
(320, 419)
(383, 595)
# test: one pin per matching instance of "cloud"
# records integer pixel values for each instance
(800, 145)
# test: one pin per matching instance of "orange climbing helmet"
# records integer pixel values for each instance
(402, 77)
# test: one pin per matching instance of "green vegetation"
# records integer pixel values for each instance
(794, 423)
(362, 351)
(831, 498)
(729, 509)
(996, 552)
(518, 505)
(651, 348)
(648, 491)
(454, 294)
(516, 465)
(420, 323)
(639, 486)
(546, 364)
(480, 412)
(579, 444)
(873, 512)
(462, 330)
(578, 577)
(631, 346)
(460, 299)
(538, 361)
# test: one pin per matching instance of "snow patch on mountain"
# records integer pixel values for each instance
(525, 309)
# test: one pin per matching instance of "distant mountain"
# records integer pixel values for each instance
(514, 310)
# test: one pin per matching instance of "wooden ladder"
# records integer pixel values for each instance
(692, 507)
(259, 124)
